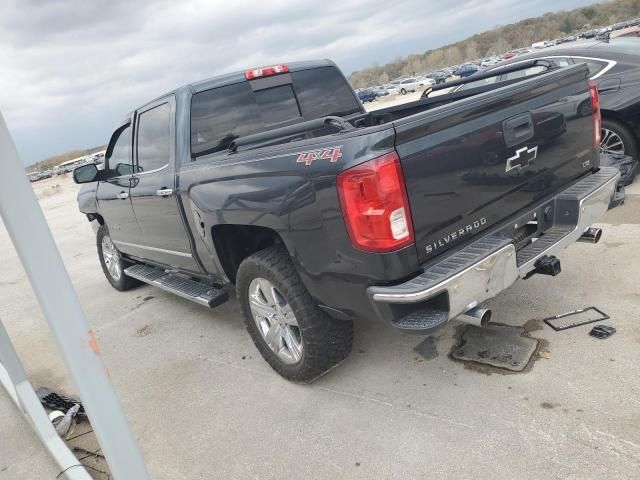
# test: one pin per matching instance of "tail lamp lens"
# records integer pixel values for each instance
(595, 109)
(374, 201)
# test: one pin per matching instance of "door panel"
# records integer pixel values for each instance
(163, 236)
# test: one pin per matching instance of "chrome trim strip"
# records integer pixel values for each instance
(153, 249)
(610, 63)
(498, 271)
(141, 174)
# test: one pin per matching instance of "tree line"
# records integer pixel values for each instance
(499, 40)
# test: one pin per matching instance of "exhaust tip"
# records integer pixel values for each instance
(591, 235)
(597, 235)
(479, 317)
(485, 317)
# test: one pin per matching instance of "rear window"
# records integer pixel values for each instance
(220, 115)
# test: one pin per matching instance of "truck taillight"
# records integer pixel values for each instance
(595, 110)
(375, 205)
(265, 71)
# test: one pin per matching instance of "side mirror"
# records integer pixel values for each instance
(86, 174)
(124, 169)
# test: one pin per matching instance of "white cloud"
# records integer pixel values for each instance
(69, 70)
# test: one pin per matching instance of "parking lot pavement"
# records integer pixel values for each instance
(203, 404)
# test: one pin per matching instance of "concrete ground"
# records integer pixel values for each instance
(203, 404)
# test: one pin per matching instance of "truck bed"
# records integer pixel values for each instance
(473, 162)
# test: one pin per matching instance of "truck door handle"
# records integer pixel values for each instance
(164, 192)
(123, 195)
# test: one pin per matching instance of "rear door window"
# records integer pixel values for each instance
(220, 115)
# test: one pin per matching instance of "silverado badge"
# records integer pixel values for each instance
(522, 158)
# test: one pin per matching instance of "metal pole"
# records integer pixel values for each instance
(51, 284)
(15, 381)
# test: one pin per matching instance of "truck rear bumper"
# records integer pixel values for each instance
(458, 283)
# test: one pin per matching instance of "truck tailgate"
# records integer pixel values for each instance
(473, 163)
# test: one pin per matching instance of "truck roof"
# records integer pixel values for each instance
(231, 78)
(236, 77)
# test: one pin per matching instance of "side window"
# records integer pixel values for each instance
(120, 159)
(477, 83)
(154, 134)
(524, 73)
(594, 66)
(561, 61)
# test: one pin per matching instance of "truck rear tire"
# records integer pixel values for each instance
(292, 334)
(112, 263)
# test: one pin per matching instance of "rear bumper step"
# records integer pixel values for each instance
(198, 292)
(489, 265)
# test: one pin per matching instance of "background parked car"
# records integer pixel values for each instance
(614, 65)
(380, 91)
(424, 80)
(440, 76)
(466, 70)
(409, 85)
(367, 95)
(392, 89)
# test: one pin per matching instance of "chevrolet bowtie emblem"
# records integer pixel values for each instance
(522, 158)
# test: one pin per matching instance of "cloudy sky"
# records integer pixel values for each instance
(71, 69)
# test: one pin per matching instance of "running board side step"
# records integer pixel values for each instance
(198, 292)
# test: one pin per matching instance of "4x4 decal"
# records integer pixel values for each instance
(332, 154)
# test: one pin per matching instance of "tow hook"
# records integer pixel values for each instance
(547, 265)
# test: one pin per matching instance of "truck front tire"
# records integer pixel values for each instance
(112, 263)
(293, 335)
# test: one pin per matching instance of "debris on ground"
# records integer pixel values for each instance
(602, 331)
(582, 316)
(55, 401)
(64, 423)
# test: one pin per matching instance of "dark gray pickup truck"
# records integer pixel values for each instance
(276, 183)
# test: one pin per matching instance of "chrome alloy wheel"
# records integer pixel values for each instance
(611, 142)
(275, 320)
(111, 258)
